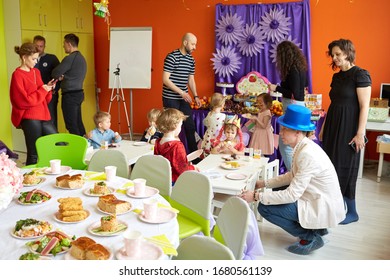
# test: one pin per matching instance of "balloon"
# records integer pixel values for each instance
(101, 9)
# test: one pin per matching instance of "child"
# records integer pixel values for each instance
(231, 145)
(262, 137)
(102, 132)
(170, 146)
(213, 121)
(151, 133)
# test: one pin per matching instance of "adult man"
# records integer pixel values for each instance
(179, 71)
(46, 63)
(71, 71)
(312, 202)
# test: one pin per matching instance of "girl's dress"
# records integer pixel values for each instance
(214, 123)
(263, 138)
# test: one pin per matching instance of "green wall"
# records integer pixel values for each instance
(5, 108)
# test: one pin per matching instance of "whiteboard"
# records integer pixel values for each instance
(131, 49)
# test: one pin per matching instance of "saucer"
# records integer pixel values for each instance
(164, 215)
(230, 167)
(148, 251)
(236, 176)
(149, 191)
(64, 169)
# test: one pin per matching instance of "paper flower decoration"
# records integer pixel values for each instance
(275, 46)
(252, 40)
(101, 9)
(229, 29)
(226, 61)
(275, 25)
(10, 180)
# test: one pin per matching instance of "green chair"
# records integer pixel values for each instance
(157, 172)
(232, 225)
(69, 148)
(191, 195)
(202, 248)
(102, 158)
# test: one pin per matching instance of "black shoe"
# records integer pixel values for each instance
(304, 247)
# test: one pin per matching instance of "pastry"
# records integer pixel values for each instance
(108, 223)
(71, 182)
(110, 204)
(79, 247)
(100, 188)
(30, 178)
(96, 252)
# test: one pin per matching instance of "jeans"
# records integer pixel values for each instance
(71, 109)
(33, 129)
(286, 217)
(285, 150)
(188, 124)
(53, 109)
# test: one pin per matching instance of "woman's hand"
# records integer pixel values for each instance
(260, 184)
(359, 142)
(272, 87)
(247, 196)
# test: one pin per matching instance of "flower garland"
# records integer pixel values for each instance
(11, 180)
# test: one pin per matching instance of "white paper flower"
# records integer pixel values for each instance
(275, 46)
(229, 29)
(275, 25)
(226, 61)
(252, 40)
(10, 180)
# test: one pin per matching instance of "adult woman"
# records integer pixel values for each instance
(346, 119)
(312, 202)
(292, 67)
(29, 98)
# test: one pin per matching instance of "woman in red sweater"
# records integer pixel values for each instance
(29, 98)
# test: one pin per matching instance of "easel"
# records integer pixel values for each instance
(119, 96)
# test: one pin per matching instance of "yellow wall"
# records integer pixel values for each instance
(5, 109)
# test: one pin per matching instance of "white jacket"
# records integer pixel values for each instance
(314, 184)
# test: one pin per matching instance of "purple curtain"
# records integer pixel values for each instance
(247, 37)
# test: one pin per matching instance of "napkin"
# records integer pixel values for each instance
(163, 242)
(123, 189)
(98, 176)
(160, 205)
(39, 171)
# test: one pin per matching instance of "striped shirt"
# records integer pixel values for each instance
(180, 67)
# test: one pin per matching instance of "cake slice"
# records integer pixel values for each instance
(110, 204)
(108, 223)
(79, 247)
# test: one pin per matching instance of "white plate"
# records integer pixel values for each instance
(69, 257)
(63, 222)
(149, 192)
(164, 215)
(106, 233)
(231, 158)
(236, 176)
(48, 255)
(64, 169)
(229, 167)
(87, 192)
(194, 155)
(26, 237)
(68, 189)
(41, 180)
(140, 143)
(148, 251)
(31, 204)
(114, 213)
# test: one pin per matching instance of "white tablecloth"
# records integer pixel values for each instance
(12, 248)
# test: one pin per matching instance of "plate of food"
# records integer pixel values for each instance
(31, 179)
(33, 257)
(107, 226)
(140, 143)
(231, 165)
(85, 248)
(51, 244)
(69, 182)
(149, 192)
(236, 176)
(110, 204)
(33, 197)
(149, 251)
(231, 157)
(30, 229)
(100, 188)
(64, 169)
(164, 215)
(76, 217)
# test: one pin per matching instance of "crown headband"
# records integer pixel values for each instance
(235, 120)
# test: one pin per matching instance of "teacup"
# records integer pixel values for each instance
(55, 166)
(139, 187)
(110, 172)
(150, 209)
(133, 241)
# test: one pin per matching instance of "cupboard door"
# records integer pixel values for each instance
(40, 14)
(51, 14)
(76, 16)
(54, 41)
(86, 16)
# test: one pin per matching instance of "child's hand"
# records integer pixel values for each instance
(116, 135)
(89, 134)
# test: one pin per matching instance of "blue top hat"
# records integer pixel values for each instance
(297, 117)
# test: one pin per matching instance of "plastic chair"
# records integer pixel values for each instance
(157, 172)
(192, 195)
(69, 148)
(102, 158)
(232, 225)
(202, 248)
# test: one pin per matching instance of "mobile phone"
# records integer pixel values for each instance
(353, 145)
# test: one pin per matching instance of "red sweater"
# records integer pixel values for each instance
(175, 152)
(28, 98)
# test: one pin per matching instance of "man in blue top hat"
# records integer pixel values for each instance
(312, 201)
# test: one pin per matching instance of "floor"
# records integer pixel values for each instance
(367, 239)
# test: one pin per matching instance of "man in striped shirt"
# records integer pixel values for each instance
(179, 71)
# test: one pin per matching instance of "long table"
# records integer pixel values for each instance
(12, 248)
(132, 149)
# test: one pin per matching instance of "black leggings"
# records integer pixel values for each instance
(33, 129)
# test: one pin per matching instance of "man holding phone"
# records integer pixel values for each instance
(46, 63)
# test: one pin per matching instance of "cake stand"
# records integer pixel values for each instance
(224, 86)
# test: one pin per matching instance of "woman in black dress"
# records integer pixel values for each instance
(346, 119)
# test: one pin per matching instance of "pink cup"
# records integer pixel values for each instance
(133, 241)
(139, 187)
(150, 209)
(55, 166)
(110, 172)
